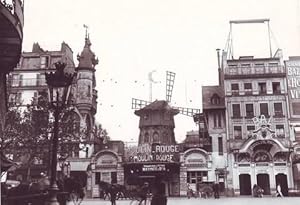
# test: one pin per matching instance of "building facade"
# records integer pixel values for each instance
(257, 127)
(26, 84)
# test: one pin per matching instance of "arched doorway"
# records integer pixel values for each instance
(263, 181)
(245, 184)
(282, 180)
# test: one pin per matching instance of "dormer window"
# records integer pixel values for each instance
(215, 99)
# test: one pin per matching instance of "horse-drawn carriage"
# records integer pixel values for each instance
(36, 193)
(123, 192)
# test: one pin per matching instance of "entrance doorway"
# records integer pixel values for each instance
(245, 184)
(282, 180)
(264, 182)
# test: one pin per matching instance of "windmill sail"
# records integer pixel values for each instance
(169, 85)
(137, 104)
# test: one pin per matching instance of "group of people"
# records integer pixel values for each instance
(158, 197)
(205, 194)
(259, 192)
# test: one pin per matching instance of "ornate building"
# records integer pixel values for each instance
(27, 83)
(11, 37)
(258, 134)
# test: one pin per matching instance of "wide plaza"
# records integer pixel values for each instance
(211, 201)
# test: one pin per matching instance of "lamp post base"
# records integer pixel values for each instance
(52, 198)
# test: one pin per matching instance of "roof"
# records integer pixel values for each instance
(87, 58)
(157, 105)
(208, 92)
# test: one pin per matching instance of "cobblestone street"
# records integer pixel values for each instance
(222, 201)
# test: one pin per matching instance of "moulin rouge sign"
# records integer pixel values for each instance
(154, 153)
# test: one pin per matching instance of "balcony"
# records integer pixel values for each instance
(254, 71)
(26, 82)
(11, 34)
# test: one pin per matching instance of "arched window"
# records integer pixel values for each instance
(215, 99)
(146, 138)
(155, 137)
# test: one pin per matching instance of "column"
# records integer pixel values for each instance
(182, 181)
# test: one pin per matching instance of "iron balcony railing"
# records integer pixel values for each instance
(254, 70)
(27, 82)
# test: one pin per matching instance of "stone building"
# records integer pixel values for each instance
(27, 83)
(293, 72)
(257, 127)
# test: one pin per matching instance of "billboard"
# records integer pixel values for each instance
(293, 83)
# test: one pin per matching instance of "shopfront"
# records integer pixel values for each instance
(264, 162)
(196, 170)
(106, 166)
(148, 163)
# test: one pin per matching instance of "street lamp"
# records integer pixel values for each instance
(59, 84)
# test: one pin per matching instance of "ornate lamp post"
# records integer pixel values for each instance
(59, 84)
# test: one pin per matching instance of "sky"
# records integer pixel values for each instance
(132, 38)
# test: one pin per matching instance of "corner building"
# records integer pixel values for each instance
(258, 136)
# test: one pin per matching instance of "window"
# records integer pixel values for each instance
(259, 65)
(44, 62)
(237, 132)
(278, 109)
(280, 131)
(262, 88)
(220, 119)
(146, 138)
(264, 109)
(220, 145)
(155, 137)
(249, 110)
(235, 89)
(41, 79)
(250, 129)
(276, 87)
(215, 99)
(236, 112)
(215, 119)
(195, 177)
(15, 80)
(248, 88)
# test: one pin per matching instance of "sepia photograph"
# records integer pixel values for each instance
(150, 102)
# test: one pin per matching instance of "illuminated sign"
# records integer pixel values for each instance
(153, 167)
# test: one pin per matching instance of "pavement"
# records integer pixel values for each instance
(210, 201)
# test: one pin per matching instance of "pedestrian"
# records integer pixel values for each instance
(216, 190)
(113, 194)
(278, 189)
(159, 195)
(144, 193)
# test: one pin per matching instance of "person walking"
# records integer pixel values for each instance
(113, 194)
(278, 189)
(216, 190)
(159, 195)
(144, 193)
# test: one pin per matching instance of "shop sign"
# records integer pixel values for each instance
(153, 167)
(154, 153)
(261, 142)
(293, 79)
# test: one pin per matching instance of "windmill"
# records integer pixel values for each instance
(170, 78)
(157, 117)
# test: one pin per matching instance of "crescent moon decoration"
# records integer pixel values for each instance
(150, 77)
